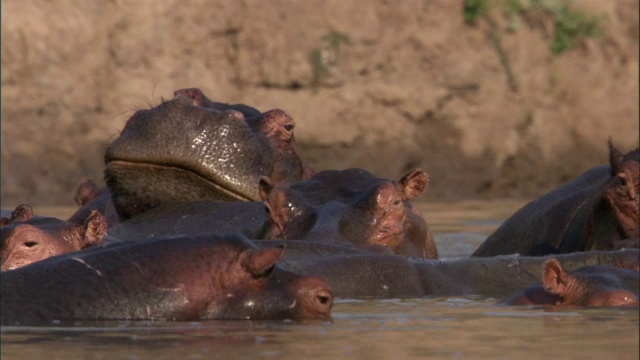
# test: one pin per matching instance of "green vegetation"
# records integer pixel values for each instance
(327, 57)
(568, 24)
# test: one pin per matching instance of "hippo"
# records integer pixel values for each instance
(25, 238)
(215, 277)
(193, 219)
(357, 274)
(599, 210)
(351, 206)
(189, 152)
(587, 286)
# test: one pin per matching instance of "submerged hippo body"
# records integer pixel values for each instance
(223, 277)
(194, 219)
(351, 207)
(356, 273)
(191, 153)
(26, 238)
(587, 286)
(599, 210)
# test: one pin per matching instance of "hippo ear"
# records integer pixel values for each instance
(554, 278)
(86, 191)
(22, 212)
(265, 186)
(616, 158)
(195, 95)
(260, 262)
(414, 183)
(95, 227)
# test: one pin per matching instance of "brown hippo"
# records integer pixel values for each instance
(599, 210)
(191, 153)
(351, 206)
(219, 277)
(25, 238)
(587, 286)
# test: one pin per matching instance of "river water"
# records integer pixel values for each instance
(438, 328)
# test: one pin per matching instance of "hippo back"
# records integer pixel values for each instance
(557, 222)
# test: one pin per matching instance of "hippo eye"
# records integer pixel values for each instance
(288, 127)
(30, 244)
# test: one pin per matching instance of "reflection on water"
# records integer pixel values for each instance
(457, 327)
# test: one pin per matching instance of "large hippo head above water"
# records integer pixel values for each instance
(184, 150)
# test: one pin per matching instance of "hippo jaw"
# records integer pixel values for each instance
(177, 152)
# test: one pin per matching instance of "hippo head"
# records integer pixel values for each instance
(261, 290)
(623, 192)
(190, 148)
(588, 288)
(24, 241)
(352, 206)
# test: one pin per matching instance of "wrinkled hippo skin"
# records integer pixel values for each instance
(599, 210)
(25, 238)
(356, 273)
(587, 286)
(220, 277)
(194, 219)
(351, 207)
(180, 152)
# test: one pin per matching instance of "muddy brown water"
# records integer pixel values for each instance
(438, 328)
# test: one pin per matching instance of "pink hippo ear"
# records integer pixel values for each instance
(413, 184)
(260, 262)
(86, 191)
(554, 278)
(195, 95)
(22, 212)
(95, 228)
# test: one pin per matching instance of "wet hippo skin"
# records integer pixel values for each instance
(218, 277)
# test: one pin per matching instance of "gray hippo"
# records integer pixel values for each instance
(180, 152)
(25, 238)
(355, 273)
(351, 206)
(587, 286)
(599, 210)
(220, 277)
